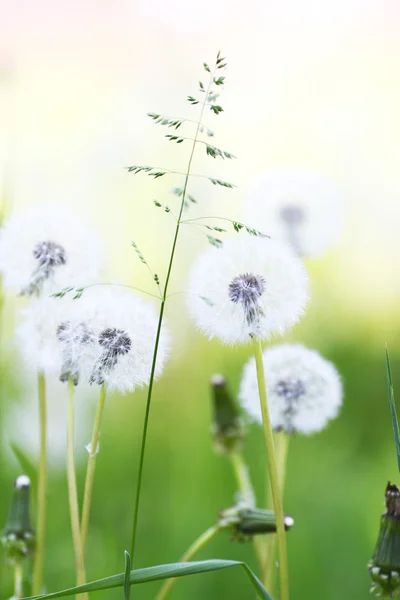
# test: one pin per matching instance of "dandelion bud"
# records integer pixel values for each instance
(18, 535)
(245, 522)
(384, 566)
(228, 428)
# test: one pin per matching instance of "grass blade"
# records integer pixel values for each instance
(127, 582)
(162, 572)
(395, 421)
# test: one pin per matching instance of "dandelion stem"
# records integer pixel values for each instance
(42, 490)
(247, 495)
(73, 493)
(281, 440)
(160, 321)
(189, 554)
(87, 498)
(273, 472)
(18, 580)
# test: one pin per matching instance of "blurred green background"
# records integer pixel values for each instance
(310, 85)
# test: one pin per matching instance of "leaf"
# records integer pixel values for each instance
(26, 465)
(395, 422)
(127, 583)
(221, 183)
(206, 67)
(216, 108)
(214, 152)
(214, 241)
(162, 572)
(192, 100)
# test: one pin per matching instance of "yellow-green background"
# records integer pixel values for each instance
(310, 85)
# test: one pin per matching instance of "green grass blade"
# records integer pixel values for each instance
(395, 421)
(162, 572)
(127, 581)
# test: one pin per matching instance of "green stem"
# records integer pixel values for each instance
(18, 580)
(87, 498)
(242, 477)
(247, 494)
(273, 473)
(159, 326)
(73, 492)
(281, 440)
(189, 554)
(42, 490)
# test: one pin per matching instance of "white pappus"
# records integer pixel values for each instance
(300, 208)
(251, 287)
(304, 389)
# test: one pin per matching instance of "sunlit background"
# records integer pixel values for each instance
(310, 85)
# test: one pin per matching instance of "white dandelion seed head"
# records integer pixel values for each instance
(45, 248)
(39, 330)
(252, 286)
(119, 336)
(304, 389)
(302, 209)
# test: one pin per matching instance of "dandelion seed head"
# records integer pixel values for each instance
(252, 286)
(115, 341)
(299, 208)
(304, 389)
(45, 249)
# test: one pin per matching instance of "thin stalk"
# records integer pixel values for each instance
(159, 326)
(18, 580)
(87, 498)
(281, 440)
(273, 473)
(247, 494)
(42, 490)
(73, 492)
(189, 554)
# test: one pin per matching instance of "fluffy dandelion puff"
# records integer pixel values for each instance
(38, 333)
(304, 389)
(302, 209)
(252, 286)
(116, 332)
(48, 247)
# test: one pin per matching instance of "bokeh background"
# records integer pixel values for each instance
(310, 85)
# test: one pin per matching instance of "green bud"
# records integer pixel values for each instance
(384, 566)
(245, 522)
(18, 535)
(228, 428)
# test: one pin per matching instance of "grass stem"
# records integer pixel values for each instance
(87, 498)
(273, 473)
(73, 493)
(160, 321)
(42, 490)
(18, 581)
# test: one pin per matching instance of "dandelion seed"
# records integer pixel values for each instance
(254, 287)
(47, 248)
(302, 209)
(304, 389)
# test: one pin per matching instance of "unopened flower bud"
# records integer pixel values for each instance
(245, 522)
(228, 428)
(384, 566)
(18, 535)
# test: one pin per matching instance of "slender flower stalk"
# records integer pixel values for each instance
(281, 440)
(273, 472)
(247, 496)
(18, 581)
(42, 490)
(189, 554)
(160, 322)
(73, 493)
(87, 499)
